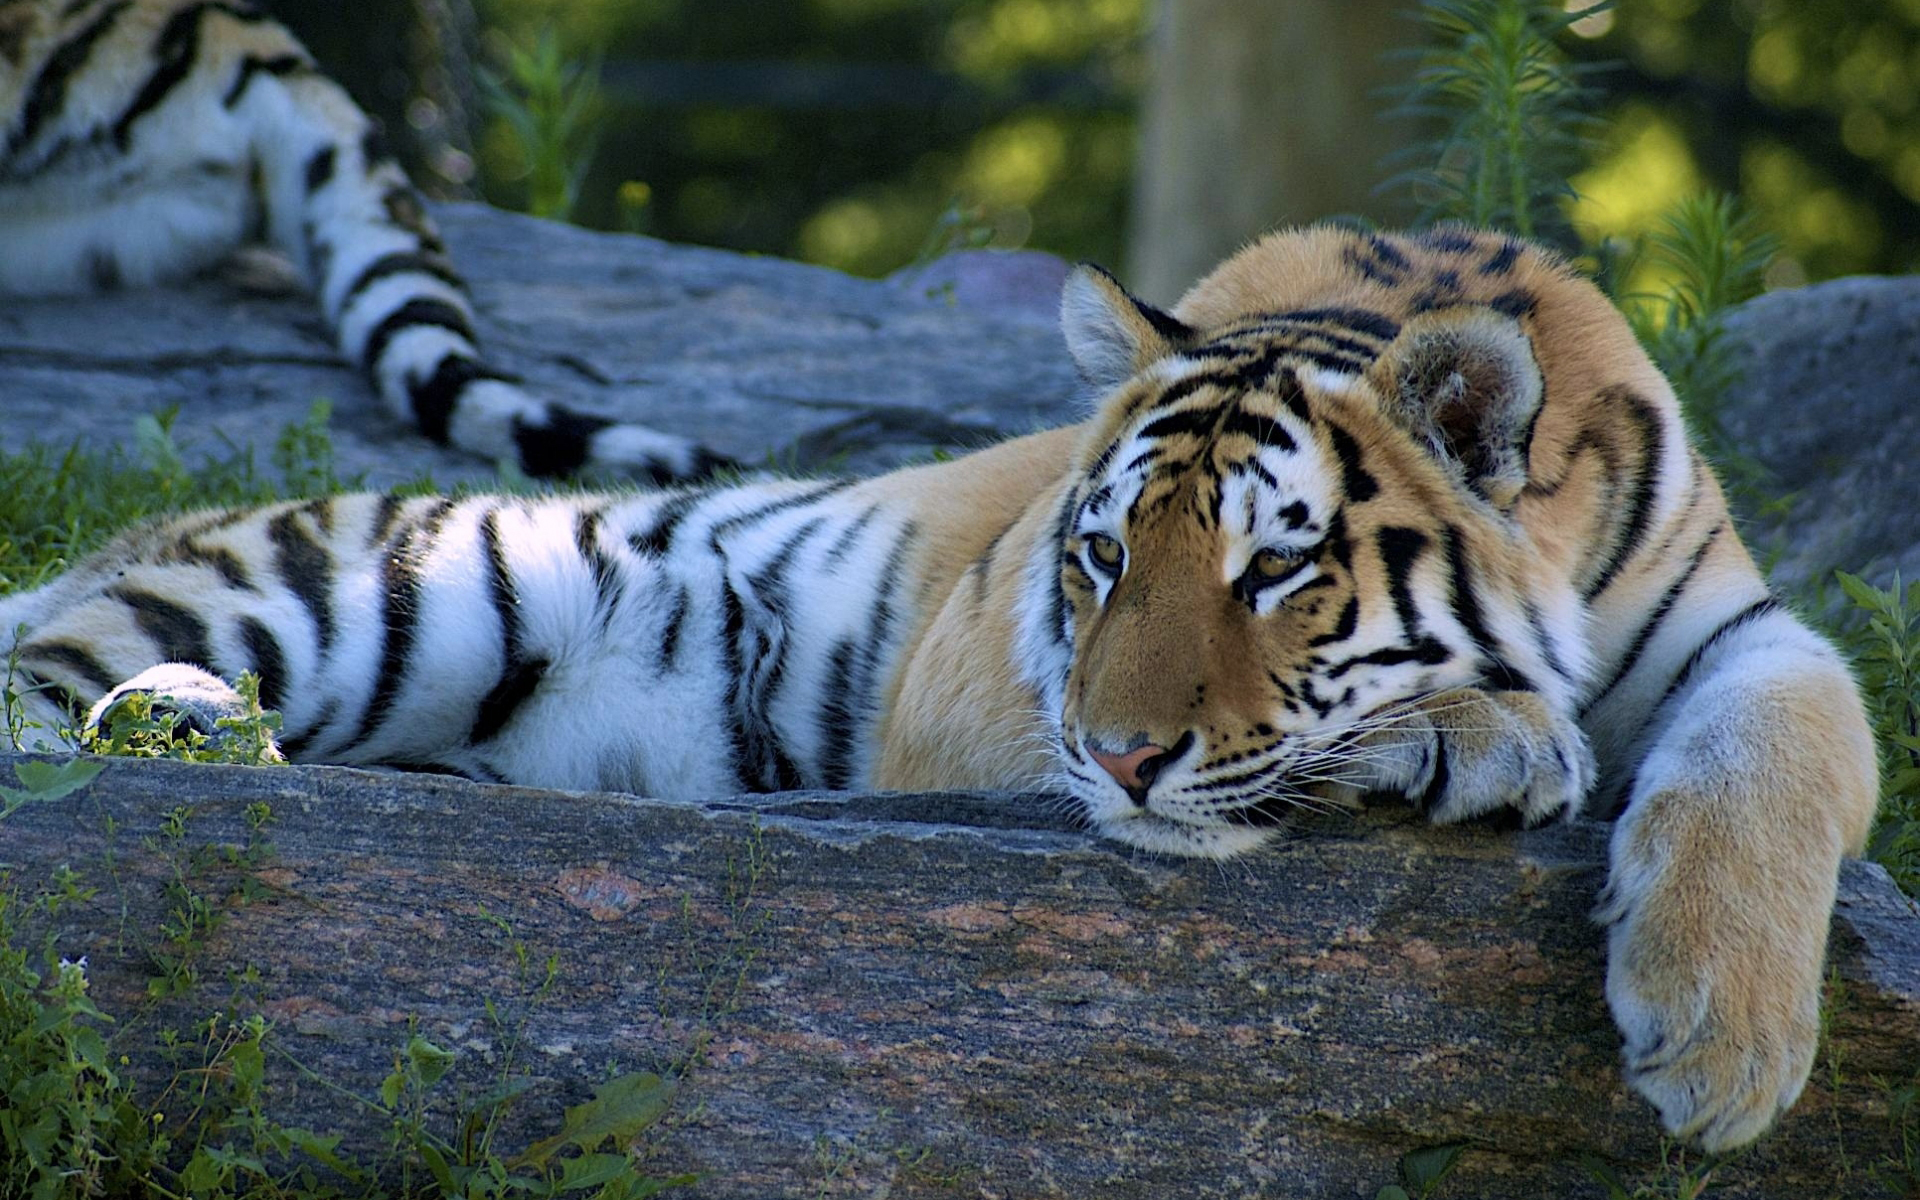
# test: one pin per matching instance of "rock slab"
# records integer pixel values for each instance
(958, 995)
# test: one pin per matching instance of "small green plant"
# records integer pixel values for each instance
(551, 108)
(75, 1124)
(1514, 117)
(1676, 1179)
(1422, 1172)
(1885, 644)
(1716, 256)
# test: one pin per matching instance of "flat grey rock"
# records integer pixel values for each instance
(775, 363)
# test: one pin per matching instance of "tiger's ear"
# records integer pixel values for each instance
(1112, 333)
(1465, 382)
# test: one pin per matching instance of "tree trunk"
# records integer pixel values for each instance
(1260, 113)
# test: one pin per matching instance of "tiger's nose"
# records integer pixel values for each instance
(1138, 768)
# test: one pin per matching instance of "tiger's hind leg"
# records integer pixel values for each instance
(1723, 878)
(196, 698)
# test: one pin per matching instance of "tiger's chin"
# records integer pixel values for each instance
(1146, 830)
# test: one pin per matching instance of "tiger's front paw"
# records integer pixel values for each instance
(193, 699)
(1717, 999)
(1466, 752)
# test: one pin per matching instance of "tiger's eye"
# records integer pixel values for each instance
(1271, 564)
(1106, 551)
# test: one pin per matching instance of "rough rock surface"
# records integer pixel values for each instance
(1827, 408)
(936, 995)
(773, 362)
(958, 995)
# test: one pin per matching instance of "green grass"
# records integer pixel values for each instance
(58, 505)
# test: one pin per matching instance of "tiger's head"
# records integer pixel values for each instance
(1282, 528)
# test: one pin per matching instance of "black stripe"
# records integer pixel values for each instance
(670, 631)
(1238, 781)
(421, 311)
(843, 545)
(657, 540)
(519, 675)
(501, 590)
(400, 583)
(606, 573)
(837, 718)
(1544, 640)
(1653, 622)
(306, 569)
(1448, 239)
(48, 93)
(321, 508)
(1502, 260)
(174, 53)
(76, 659)
(770, 581)
(383, 517)
(1349, 621)
(1195, 421)
(400, 262)
(1359, 483)
(1645, 485)
(564, 443)
(1466, 609)
(770, 587)
(218, 559)
(1400, 548)
(1262, 429)
(320, 168)
(1746, 616)
(753, 516)
(434, 398)
(733, 666)
(180, 634)
(278, 65)
(518, 681)
(268, 661)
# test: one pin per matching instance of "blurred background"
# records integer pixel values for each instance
(1150, 135)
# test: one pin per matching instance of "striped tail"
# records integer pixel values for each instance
(342, 207)
(220, 127)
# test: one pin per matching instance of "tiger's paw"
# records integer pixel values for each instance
(195, 699)
(1719, 1010)
(1462, 753)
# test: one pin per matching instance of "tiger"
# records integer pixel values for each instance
(1365, 514)
(142, 141)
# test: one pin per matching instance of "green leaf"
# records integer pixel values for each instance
(322, 1148)
(1423, 1169)
(591, 1171)
(437, 1167)
(1604, 1175)
(1391, 1192)
(622, 1108)
(51, 781)
(430, 1062)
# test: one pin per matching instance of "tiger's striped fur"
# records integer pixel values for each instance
(144, 140)
(1365, 513)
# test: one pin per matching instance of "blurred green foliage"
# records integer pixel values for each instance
(841, 131)
(838, 131)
